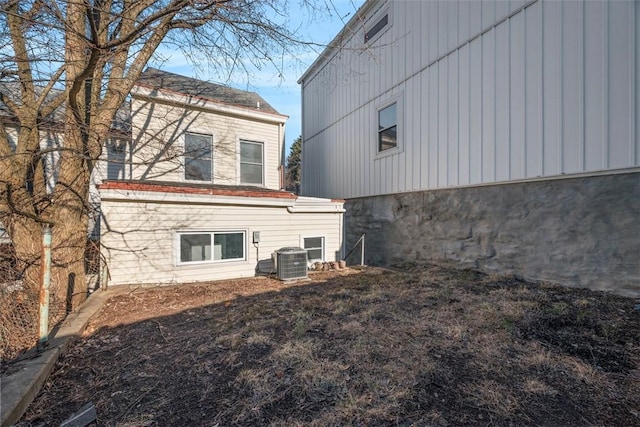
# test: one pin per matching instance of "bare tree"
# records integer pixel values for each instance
(68, 66)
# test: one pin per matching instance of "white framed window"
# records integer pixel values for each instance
(198, 157)
(251, 162)
(376, 28)
(116, 158)
(211, 246)
(378, 24)
(389, 119)
(314, 247)
(388, 127)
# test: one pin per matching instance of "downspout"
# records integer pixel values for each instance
(282, 157)
(45, 277)
(343, 236)
(302, 122)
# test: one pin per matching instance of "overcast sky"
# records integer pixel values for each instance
(282, 92)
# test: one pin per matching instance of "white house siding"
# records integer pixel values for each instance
(158, 134)
(139, 236)
(492, 91)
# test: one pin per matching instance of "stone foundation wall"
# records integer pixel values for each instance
(580, 232)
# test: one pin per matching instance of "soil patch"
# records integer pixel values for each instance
(421, 346)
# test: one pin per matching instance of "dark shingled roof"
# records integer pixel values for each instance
(158, 79)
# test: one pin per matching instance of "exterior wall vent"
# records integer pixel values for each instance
(291, 263)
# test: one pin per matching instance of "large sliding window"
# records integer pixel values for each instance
(211, 246)
(251, 163)
(198, 158)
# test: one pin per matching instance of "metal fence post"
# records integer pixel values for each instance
(104, 275)
(362, 250)
(45, 276)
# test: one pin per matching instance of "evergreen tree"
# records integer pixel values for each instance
(294, 166)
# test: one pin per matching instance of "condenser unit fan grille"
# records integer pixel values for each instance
(292, 263)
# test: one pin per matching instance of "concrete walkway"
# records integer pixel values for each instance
(21, 384)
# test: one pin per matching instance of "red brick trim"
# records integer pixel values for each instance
(184, 189)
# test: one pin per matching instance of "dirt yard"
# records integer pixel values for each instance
(423, 346)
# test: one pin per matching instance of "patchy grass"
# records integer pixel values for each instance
(425, 346)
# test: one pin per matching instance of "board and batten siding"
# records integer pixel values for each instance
(158, 141)
(140, 243)
(491, 91)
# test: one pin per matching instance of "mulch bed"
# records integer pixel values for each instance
(421, 346)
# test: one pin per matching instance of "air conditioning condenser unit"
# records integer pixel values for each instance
(291, 263)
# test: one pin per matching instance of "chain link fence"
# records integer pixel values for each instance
(20, 303)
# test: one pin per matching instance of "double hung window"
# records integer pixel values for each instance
(251, 162)
(388, 127)
(198, 158)
(314, 247)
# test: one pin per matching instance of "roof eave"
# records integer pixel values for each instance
(168, 95)
(343, 35)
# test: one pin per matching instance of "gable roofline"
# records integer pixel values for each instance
(174, 88)
(347, 31)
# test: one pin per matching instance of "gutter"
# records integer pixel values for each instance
(315, 209)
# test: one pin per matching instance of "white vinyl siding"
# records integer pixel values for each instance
(158, 147)
(140, 243)
(493, 92)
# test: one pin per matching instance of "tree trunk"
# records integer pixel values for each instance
(70, 217)
(26, 237)
(68, 281)
(69, 242)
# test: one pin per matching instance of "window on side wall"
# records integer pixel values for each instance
(388, 127)
(198, 158)
(251, 163)
(314, 247)
(211, 246)
(376, 28)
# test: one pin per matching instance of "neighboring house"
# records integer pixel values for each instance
(196, 195)
(498, 135)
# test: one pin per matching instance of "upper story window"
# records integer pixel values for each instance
(116, 159)
(251, 162)
(379, 25)
(388, 127)
(198, 159)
